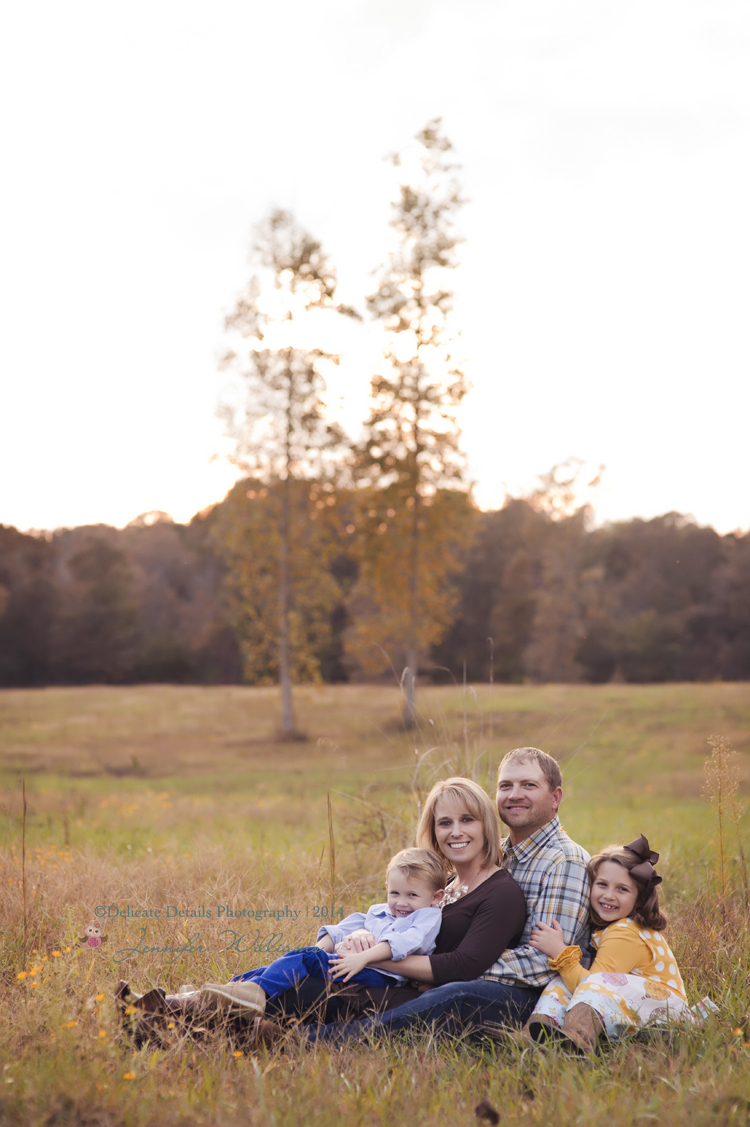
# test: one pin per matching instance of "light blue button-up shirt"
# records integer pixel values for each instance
(414, 934)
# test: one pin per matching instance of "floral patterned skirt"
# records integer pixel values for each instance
(625, 1002)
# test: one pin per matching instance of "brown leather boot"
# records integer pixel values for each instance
(583, 1026)
(151, 1019)
(265, 1034)
(578, 1033)
(541, 1029)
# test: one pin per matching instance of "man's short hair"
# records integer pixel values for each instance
(421, 864)
(550, 767)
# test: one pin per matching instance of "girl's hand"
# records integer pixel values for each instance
(345, 966)
(549, 940)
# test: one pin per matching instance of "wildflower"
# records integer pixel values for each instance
(35, 984)
(69, 1024)
(56, 954)
(22, 974)
(67, 948)
(102, 1032)
(129, 1010)
(100, 997)
(129, 1076)
(171, 1025)
(736, 1032)
(238, 1053)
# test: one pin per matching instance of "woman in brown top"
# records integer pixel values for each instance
(484, 911)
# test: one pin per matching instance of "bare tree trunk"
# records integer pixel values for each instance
(288, 730)
(412, 656)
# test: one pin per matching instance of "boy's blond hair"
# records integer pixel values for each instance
(421, 864)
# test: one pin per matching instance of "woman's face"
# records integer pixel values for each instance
(460, 836)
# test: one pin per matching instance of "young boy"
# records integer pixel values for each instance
(407, 924)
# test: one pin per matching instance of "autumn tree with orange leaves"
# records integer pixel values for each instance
(283, 439)
(415, 509)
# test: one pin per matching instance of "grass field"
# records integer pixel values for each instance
(181, 800)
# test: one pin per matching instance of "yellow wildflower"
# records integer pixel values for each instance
(22, 974)
(100, 997)
(238, 1053)
(129, 1076)
(69, 1024)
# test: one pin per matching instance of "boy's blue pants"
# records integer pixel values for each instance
(285, 973)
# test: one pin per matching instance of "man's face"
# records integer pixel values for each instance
(524, 799)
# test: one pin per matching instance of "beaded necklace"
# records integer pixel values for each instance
(455, 891)
(450, 896)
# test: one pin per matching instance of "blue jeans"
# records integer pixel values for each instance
(455, 1008)
(289, 970)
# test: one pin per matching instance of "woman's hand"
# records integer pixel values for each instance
(549, 940)
(347, 965)
(360, 940)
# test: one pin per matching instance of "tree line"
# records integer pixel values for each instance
(341, 559)
(532, 596)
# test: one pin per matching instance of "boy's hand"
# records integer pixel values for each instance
(549, 940)
(360, 940)
(345, 966)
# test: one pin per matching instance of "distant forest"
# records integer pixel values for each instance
(533, 597)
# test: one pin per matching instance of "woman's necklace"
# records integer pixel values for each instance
(456, 890)
(452, 894)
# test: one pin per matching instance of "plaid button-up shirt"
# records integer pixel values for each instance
(551, 870)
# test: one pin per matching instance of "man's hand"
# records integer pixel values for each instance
(358, 941)
(345, 966)
(549, 940)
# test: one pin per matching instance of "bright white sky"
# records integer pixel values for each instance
(604, 290)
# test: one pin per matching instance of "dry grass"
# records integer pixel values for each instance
(247, 826)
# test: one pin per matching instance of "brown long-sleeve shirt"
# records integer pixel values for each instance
(477, 929)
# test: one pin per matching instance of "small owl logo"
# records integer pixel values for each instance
(92, 937)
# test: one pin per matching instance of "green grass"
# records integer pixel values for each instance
(163, 796)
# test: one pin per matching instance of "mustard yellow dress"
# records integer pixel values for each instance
(633, 982)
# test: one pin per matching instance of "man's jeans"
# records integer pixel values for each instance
(455, 1008)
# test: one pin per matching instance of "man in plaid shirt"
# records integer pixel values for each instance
(551, 870)
(549, 867)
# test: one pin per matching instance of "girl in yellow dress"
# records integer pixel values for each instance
(634, 980)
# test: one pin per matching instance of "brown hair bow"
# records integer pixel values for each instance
(645, 871)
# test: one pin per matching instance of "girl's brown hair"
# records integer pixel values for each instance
(466, 793)
(647, 911)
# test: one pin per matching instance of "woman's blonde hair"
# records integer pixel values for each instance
(423, 864)
(466, 793)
